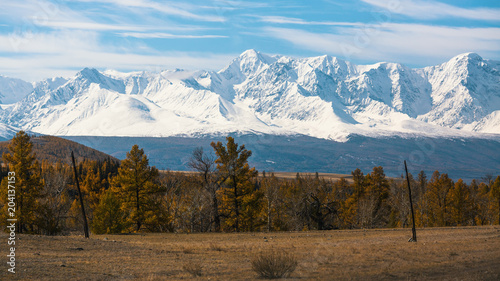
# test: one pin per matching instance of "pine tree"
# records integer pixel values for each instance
(481, 202)
(28, 182)
(359, 183)
(438, 199)
(421, 206)
(495, 197)
(374, 204)
(271, 190)
(238, 196)
(135, 187)
(108, 216)
(460, 205)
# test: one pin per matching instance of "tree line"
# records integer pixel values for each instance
(223, 193)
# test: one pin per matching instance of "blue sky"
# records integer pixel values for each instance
(47, 38)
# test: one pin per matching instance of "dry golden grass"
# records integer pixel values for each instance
(326, 176)
(291, 175)
(468, 253)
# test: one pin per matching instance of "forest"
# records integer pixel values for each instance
(225, 194)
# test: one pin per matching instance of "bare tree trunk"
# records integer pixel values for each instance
(137, 208)
(236, 205)
(414, 231)
(269, 214)
(85, 225)
(215, 204)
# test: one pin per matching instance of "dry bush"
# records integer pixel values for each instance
(216, 247)
(194, 269)
(186, 250)
(273, 264)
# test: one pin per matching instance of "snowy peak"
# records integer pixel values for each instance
(332, 66)
(322, 96)
(13, 90)
(253, 56)
(465, 92)
(88, 76)
(468, 58)
(248, 63)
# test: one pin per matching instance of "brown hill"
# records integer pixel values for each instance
(54, 149)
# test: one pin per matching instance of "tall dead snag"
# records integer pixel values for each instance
(414, 231)
(85, 225)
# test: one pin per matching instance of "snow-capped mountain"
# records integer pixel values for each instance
(323, 97)
(13, 90)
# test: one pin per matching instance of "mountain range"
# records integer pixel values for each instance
(296, 114)
(322, 97)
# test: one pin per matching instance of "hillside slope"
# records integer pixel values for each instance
(55, 149)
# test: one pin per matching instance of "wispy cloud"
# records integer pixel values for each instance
(298, 21)
(408, 43)
(67, 64)
(48, 43)
(96, 26)
(167, 8)
(168, 35)
(422, 9)
(63, 53)
(42, 38)
(88, 25)
(239, 4)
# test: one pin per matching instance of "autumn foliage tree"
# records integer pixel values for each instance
(239, 199)
(28, 182)
(438, 199)
(205, 165)
(226, 194)
(108, 215)
(54, 200)
(495, 196)
(136, 186)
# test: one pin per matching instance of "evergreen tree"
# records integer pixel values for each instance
(495, 197)
(460, 205)
(421, 205)
(28, 182)
(375, 207)
(438, 199)
(108, 216)
(359, 183)
(239, 199)
(135, 187)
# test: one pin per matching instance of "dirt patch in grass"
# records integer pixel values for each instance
(468, 253)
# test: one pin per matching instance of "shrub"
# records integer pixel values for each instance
(216, 247)
(273, 264)
(194, 269)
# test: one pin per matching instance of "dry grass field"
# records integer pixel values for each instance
(468, 253)
(291, 175)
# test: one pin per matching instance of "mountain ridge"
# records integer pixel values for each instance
(324, 97)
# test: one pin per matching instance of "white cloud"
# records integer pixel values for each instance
(91, 26)
(43, 55)
(414, 44)
(95, 26)
(287, 20)
(167, 8)
(48, 43)
(168, 35)
(38, 67)
(432, 9)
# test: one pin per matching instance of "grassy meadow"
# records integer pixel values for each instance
(463, 253)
